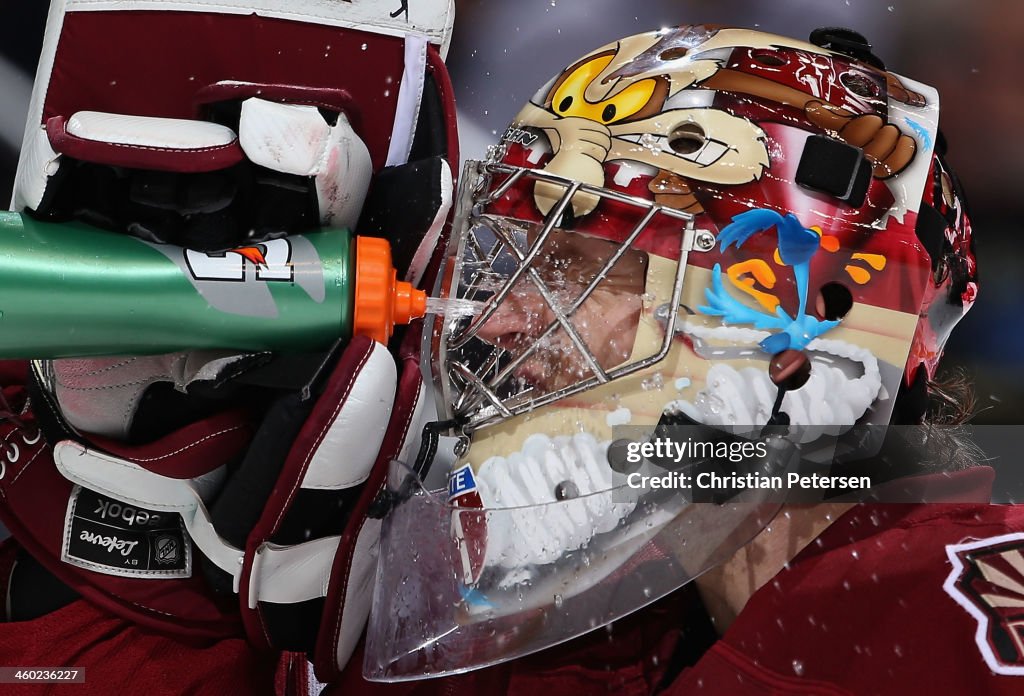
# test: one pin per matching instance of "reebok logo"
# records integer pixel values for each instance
(107, 510)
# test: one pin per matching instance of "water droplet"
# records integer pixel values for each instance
(798, 668)
(363, 47)
(558, 601)
(649, 142)
(891, 8)
(655, 381)
(855, 555)
(898, 649)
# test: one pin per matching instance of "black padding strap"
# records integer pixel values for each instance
(402, 205)
(388, 498)
(431, 137)
(240, 503)
(206, 211)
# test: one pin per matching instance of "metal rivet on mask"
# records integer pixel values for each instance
(566, 490)
(618, 452)
(704, 240)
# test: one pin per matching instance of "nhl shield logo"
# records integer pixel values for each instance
(167, 550)
(469, 528)
(988, 581)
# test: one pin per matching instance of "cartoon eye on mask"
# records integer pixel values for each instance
(569, 97)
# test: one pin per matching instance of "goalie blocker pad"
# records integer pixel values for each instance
(129, 528)
(303, 579)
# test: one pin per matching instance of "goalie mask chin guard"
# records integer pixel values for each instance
(699, 225)
(455, 600)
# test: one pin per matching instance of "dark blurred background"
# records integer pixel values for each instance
(971, 51)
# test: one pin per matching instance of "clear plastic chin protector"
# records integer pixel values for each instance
(620, 267)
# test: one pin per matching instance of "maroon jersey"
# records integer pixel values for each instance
(891, 599)
(118, 656)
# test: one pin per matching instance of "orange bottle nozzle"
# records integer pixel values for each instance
(381, 300)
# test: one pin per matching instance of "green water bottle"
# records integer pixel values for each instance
(71, 290)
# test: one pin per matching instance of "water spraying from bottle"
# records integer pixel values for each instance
(453, 307)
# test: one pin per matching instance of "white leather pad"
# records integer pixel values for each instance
(295, 139)
(149, 131)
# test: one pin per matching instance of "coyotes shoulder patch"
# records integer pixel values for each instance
(987, 580)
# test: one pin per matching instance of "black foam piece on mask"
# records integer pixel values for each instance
(839, 169)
